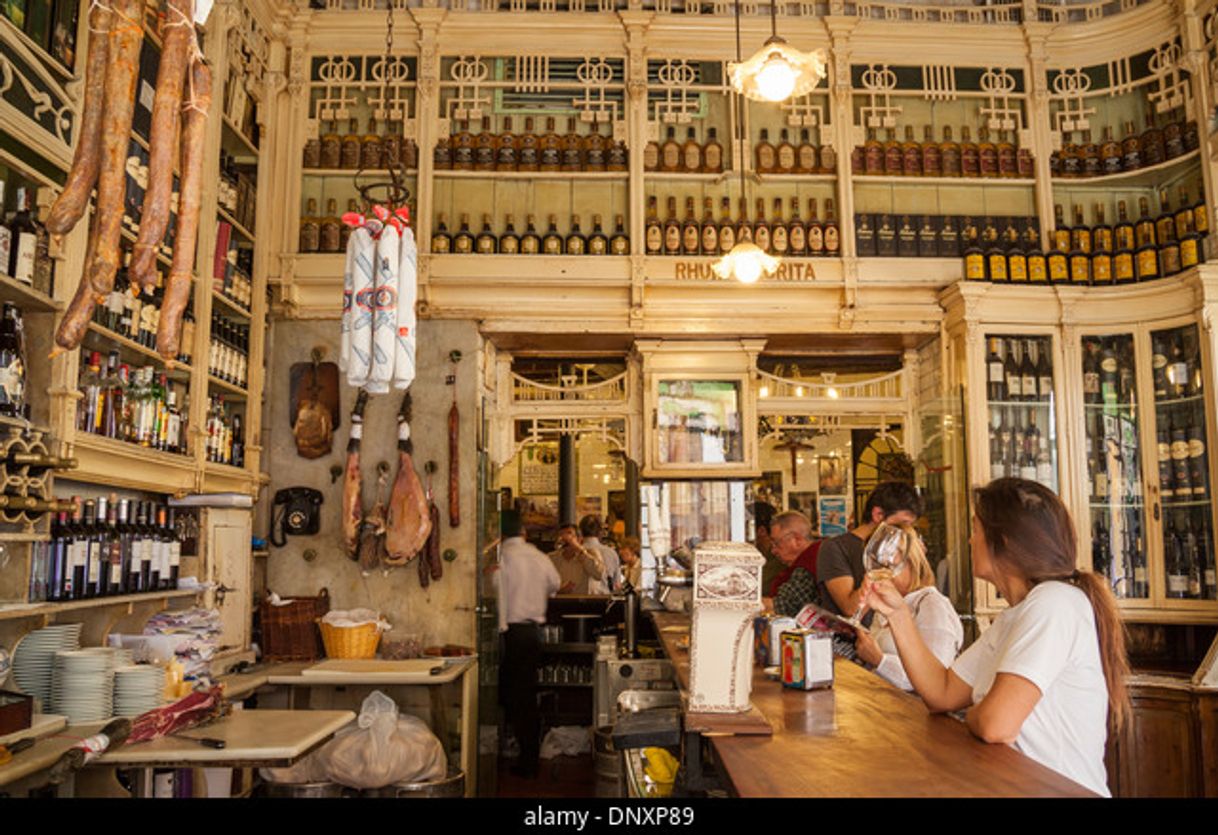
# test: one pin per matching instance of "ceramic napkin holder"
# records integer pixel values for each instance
(727, 594)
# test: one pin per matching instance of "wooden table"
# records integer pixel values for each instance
(862, 738)
(416, 672)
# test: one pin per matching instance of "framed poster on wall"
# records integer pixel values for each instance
(832, 510)
(539, 470)
(832, 475)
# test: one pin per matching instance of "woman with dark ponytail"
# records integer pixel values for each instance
(1049, 673)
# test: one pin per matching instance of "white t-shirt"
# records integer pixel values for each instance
(1050, 639)
(937, 623)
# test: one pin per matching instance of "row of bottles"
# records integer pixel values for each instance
(530, 241)
(939, 236)
(713, 236)
(1189, 556)
(237, 191)
(50, 24)
(107, 547)
(228, 355)
(1018, 449)
(232, 268)
(13, 367)
(945, 158)
(1135, 150)
(1176, 365)
(1118, 551)
(325, 233)
(24, 242)
(137, 317)
(225, 435)
(354, 150)
(138, 407)
(1018, 371)
(505, 150)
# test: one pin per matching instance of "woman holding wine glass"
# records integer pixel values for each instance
(1049, 673)
(910, 574)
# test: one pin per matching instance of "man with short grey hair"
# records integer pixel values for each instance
(795, 587)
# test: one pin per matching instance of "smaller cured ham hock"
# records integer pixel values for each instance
(409, 521)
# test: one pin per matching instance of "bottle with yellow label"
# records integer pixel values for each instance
(1169, 256)
(1017, 267)
(1061, 232)
(974, 263)
(1059, 266)
(1147, 263)
(1080, 267)
(1124, 267)
(1101, 268)
(1038, 267)
(996, 265)
(1192, 250)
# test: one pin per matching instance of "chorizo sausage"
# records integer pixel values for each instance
(76, 318)
(70, 206)
(181, 273)
(454, 474)
(126, 36)
(162, 143)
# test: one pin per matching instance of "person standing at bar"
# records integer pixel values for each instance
(590, 530)
(632, 564)
(839, 566)
(1048, 676)
(526, 580)
(763, 515)
(577, 566)
(936, 618)
(795, 587)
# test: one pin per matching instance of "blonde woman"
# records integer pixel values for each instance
(936, 618)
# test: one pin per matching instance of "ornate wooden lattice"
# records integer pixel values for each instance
(342, 83)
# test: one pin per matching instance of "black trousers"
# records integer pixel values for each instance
(518, 687)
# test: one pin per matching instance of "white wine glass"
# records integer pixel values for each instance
(883, 558)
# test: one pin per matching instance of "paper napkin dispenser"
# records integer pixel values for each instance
(727, 594)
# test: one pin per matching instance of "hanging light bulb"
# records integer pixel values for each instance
(747, 262)
(777, 71)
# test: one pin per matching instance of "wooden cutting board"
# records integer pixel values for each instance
(415, 666)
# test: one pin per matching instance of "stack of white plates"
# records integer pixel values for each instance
(34, 659)
(82, 685)
(138, 688)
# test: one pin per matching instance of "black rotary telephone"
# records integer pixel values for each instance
(298, 515)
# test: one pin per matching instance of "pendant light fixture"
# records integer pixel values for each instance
(777, 71)
(746, 262)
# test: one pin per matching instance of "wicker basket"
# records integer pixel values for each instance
(289, 633)
(350, 641)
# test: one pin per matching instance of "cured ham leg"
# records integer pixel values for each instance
(353, 508)
(372, 536)
(409, 522)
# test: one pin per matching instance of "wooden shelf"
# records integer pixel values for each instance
(567, 649)
(973, 182)
(230, 127)
(180, 372)
(11, 611)
(121, 464)
(26, 297)
(225, 470)
(536, 176)
(236, 391)
(1196, 398)
(351, 172)
(692, 177)
(230, 305)
(1040, 404)
(1141, 178)
(232, 221)
(6, 536)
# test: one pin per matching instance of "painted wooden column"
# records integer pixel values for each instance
(427, 116)
(842, 105)
(1040, 127)
(292, 118)
(636, 24)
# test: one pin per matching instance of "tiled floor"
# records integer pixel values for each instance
(558, 777)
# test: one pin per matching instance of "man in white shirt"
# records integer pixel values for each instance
(526, 579)
(590, 530)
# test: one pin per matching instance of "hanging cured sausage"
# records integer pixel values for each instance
(353, 509)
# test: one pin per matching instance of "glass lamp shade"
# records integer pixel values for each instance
(746, 263)
(777, 71)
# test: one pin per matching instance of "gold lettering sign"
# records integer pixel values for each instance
(704, 271)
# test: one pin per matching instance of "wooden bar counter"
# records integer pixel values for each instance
(862, 738)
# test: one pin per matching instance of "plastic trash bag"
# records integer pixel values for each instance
(567, 739)
(385, 748)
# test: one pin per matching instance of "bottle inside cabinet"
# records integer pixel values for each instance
(1180, 431)
(1022, 422)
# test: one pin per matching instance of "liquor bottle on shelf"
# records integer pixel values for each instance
(1008, 157)
(911, 155)
(576, 243)
(1080, 233)
(1061, 235)
(616, 155)
(528, 151)
(691, 152)
(651, 156)
(509, 241)
(815, 231)
(1175, 558)
(463, 241)
(996, 387)
(441, 240)
(709, 233)
(331, 155)
(595, 147)
(950, 154)
(486, 243)
(1205, 547)
(1184, 219)
(727, 228)
(1153, 151)
(670, 152)
(598, 243)
(765, 154)
(1131, 148)
(873, 154)
(761, 228)
(463, 148)
(1028, 382)
(894, 157)
(672, 229)
(572, 148)
(653, 229)
(391, 145)
(998, 467)
(344, 233)
(995, 256)
(970, 160)
(828, 159)
(310, 228)
(619, 242)
(832, 236)
(744, 229)
(987, 154)
(352, 146)
(1080, 259)
(1089, 154)
(530, 241)
(712, 153)
(797, 233)
(1091, 372)
(12, 364)
(1110, 154)
(932, 154)
(1122, 233)
(1165, 223)
(1102, 238)
(1010, 370)
(691, 234)
(486, 151)
(784, 154)
(372, 149)
(806, 161)
(330, 228)
(1144, 230)
(30, 260)
(864, 236)
(552, 241)
(310, 156)
(1044, 373)
(505, 147)
(779, 242)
